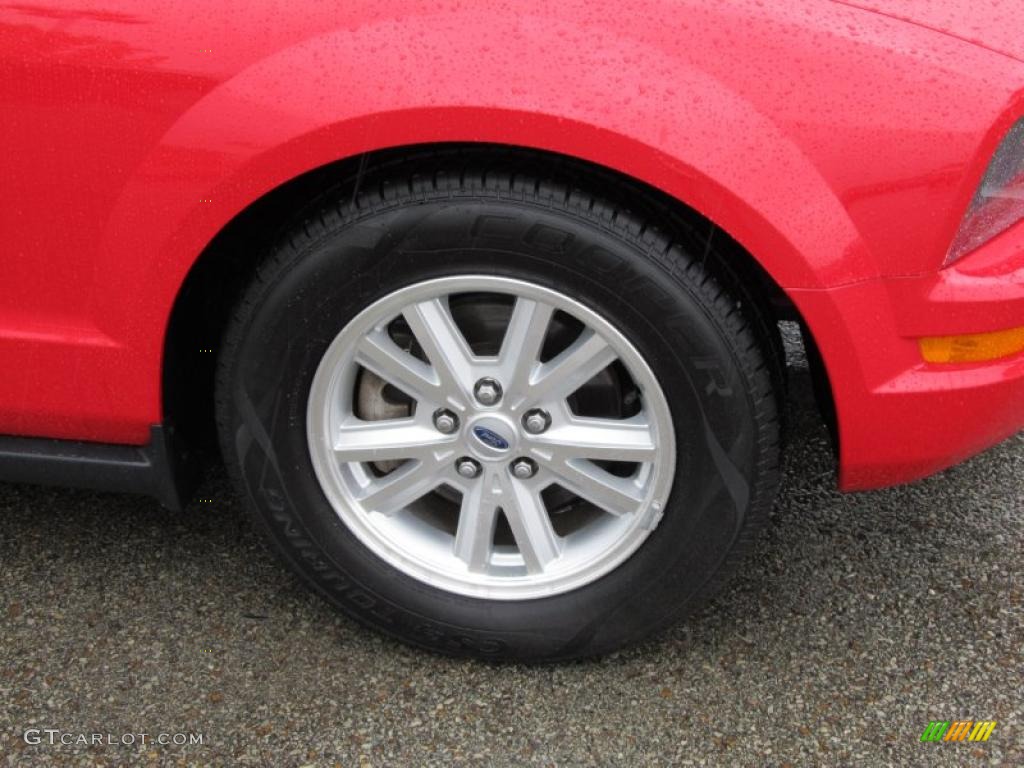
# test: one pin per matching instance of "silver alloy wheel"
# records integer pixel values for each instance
(390, 479)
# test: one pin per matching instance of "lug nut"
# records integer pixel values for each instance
(445, 421)
(524, 468)
(536, 421)
(467, 467)
(487, 391)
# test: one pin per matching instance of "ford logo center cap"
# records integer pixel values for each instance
(490, 438)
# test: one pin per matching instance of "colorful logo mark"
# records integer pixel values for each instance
(958, 730)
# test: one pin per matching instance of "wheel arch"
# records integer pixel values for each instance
(261, 136)
(218, 276)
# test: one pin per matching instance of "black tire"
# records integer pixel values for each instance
(399, 224)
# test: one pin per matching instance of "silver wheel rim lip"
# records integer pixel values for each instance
(414, 553)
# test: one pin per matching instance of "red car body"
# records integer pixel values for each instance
(839, 143)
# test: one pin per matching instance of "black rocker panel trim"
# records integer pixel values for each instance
(162, 468)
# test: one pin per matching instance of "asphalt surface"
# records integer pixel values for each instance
(857, 620)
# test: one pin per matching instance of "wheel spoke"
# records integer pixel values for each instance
(386, 440)
(530, 523)
(411, 481)
(379, 353)
(524, 338)
(558, 378)
(443, 343)
(608, 439)
(615, 495)
(474, 536)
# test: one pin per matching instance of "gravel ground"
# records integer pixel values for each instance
(858, 620)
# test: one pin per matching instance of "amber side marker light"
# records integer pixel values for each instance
(972, 347)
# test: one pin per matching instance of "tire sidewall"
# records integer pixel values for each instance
(310, 296)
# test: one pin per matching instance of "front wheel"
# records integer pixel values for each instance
(498, 417)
